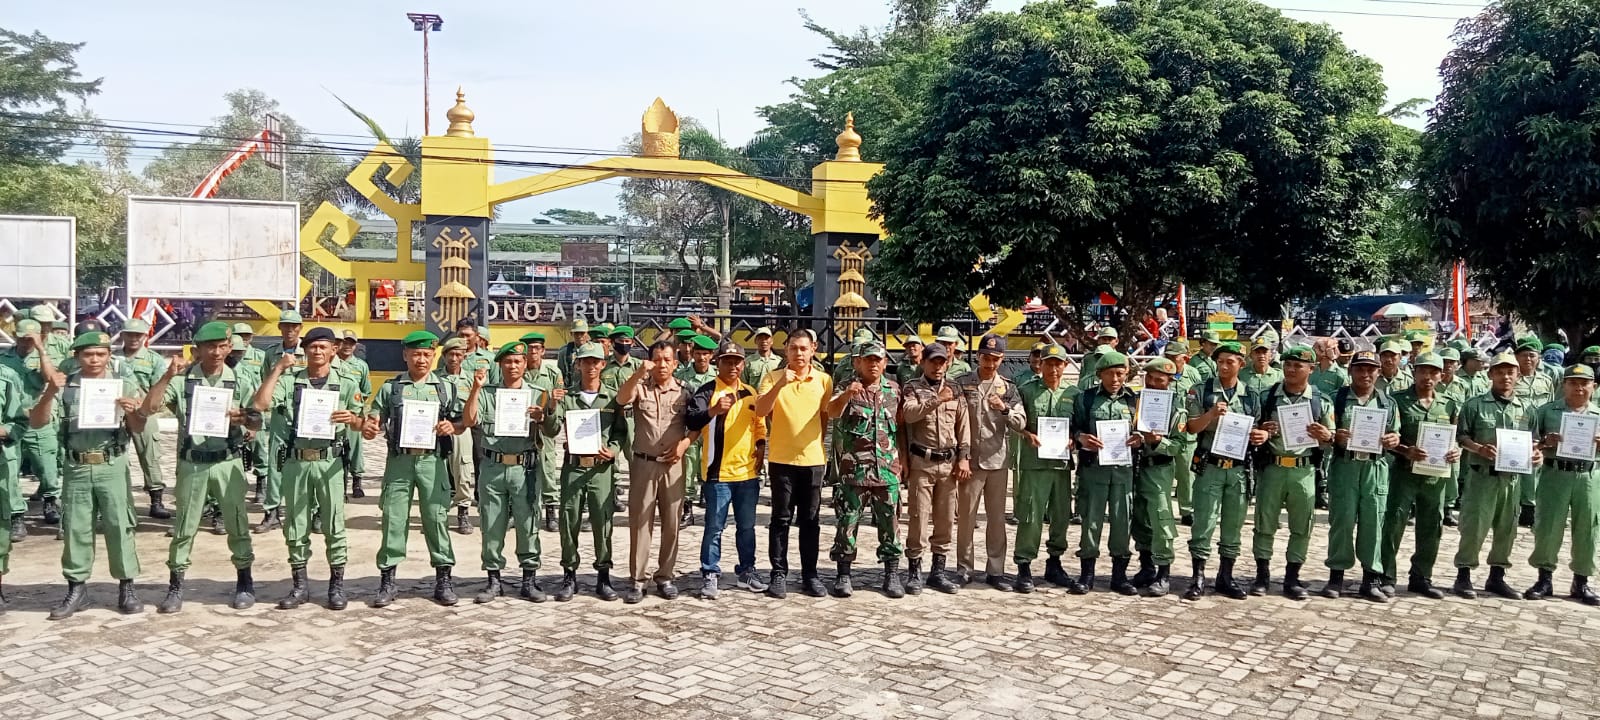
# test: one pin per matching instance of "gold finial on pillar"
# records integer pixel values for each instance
(659, 131)
(849, 141)
(460, 117)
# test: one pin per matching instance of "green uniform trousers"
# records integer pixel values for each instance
(691, 472)
(8, 467)
(100, 490)
(426, 476)
(272, 492)
(1284, 488)
(506, 499)
(1358, 497)
(587, 489)
(462, 465)
(1104, 496)
(1031, 502)
(1489, 501)
(320, 484)
(1528, 486)
(1058, 511)
(1422, 497)
(550, 473)
(1564, 493)
(41, 450)
(357, 464)
(848, 502)
(1151, 522)
(1219, 500)
(1452, 488)
(1183, 478)
(260, 449)
(15, 501)
(197, 481)
(147, 445)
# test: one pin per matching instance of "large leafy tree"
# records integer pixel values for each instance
(1511, 159)
(39, 85)
(1071, 149)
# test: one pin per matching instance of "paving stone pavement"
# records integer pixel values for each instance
(979, 653)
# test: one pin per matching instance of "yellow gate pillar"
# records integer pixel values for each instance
(456, 174)
(843, 234)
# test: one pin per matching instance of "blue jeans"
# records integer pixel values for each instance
(718, 496)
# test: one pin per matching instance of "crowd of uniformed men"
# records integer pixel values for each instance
(694, 416)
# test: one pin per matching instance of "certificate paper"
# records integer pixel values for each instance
(1577, 436)
(1053, 436)
(1293, 421)
(1513, 451)
(1113, 436)
(315, 419)
(1232, 436)
(1366, 430)
(417, 421)
(208, 411)
(511, 411)
(97, 403)
(1436, 440)
(583, 432)
(1155, 411)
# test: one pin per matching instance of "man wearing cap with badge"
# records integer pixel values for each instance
(94, 480)
(951, 340)
(1415, 492)
(938, 441)
(462, 463)
(289, 324)
(1150, 514)
(507, 490)
(313, 471)
(545, 376)
(910, 365)
(724, 413)
(1393, 376)
(416, 463)
(1044, 483)
(995, 411)
(1205, 367)
(53, 323)
(1358, 480)
(1568, 486)
(1287, 479)
(1489, 499)
(355, 368)
(866, 431)
(1534, 388)
(761, 362)
(1220, 498)
(210, 462)
(694, 376)
(588, 479)
(1105, 491)
(145, 366)
(566, 357)
(655, 484)
(1106, 341)
(1260, 374)
(39, 448)
(844, 370)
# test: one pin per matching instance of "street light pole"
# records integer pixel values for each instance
(423, 23)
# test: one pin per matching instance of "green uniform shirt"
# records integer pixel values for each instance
(1329, 381)
(1205, 367)
(1095, 404)
(1257, 383)
(508, 443)
(617, 373)
(691, 379)
(1413, 412)
(177, 399)
(1477, 384)
(1455, 389)
(1176, 439)
(1238, 398)
(1485, 414)
(757, 367)
(14, 405)
(1283, 397)
(431, 387)
(145, 367)
(1401, 380)
(545, 377)
(958, 367)
(1040, 401)
(357, 369)
(1547, 420)
(1344, 418)
(286, 395)
(612, 428)
(1535, 390)
(88, 440)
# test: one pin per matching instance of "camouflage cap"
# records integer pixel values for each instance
(872, 349)
(863, 335)
(1161, 365)
(454, 343)
(1300, 353)
(588, 351)
(1428, 359)
(1504, 358)
(1579, 371)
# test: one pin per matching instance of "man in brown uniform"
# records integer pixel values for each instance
(936, 426)
(994, 408)
(655, 491)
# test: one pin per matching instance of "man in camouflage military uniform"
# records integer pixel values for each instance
(144, 365)
(867, 409)
(1568, 487)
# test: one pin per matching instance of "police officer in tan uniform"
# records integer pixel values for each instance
(936, 425)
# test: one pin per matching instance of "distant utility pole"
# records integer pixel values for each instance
(425, 23)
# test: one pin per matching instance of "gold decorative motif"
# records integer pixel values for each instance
(851, 305)
(460, 117)
(659, 131)
(454, 294)
(1220, 317)
(849, 141)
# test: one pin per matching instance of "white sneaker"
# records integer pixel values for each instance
(709, 589)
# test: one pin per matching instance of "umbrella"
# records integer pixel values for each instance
(1400, 310)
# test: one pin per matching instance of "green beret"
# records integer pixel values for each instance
(603, 330)
(680, 324)
(687, 335)
(1582, 372)
(1529, 343)
(1301, 353)
(1591, 350)
(590, 350)
(27, 326)
(533, 337)
(1428, 359)
(1504, 358)
(1161, 365)
(214, 330)
(622, 331)
(91, 339)
(1450, 353)
(702, 342)
(1227, 346)
(1053, 351)
(420, 339)
(516, 347)
(1112, 359)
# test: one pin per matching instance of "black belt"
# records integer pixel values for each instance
(506, 458)
(1159, 460)
(1578, 466)
(209, 456)
(1357, 456)
(414, 451)
(95, 457)
(315, 454)
(586, 461)
(1226, 463)
(647, 456)
(932, 454)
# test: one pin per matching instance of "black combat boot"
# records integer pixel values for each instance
(1497, 584)
(1119, 577)
(1524, 519)
(215, 518)
(19, 529)
(568, 586)
(602, 586)
(1226, 585)
(316, 522)
(1450, 518)
(463, 523)
(913, 576)
(1024, 583)
(271, 520)
(841, 581)
(552, 523)
(1580, 592)
(1158, 586)
(1055, 574)
(1292, 587)
(244, 590)
(1085, 581)
(1463, 586)
(355, 487)
(891, 580)
(336, 598)
(128, 602)
(1263, 581)
(173, 602)
(530, 587)
(1147, 570)
(444, 590)
(158, 508)
(1386, 585)
(937, 579)
(77, 599)
(386, 589)
(1420, 585)
(1197, 580)
(1334, 589)
(491, 590)
(1372, 587)
(299, 594)
(51, 511)
(1543, 588)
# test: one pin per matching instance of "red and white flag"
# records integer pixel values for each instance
(1183, 311)
(1459, 309)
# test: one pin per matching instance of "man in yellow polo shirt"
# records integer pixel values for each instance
(734, 439)
(795, 397)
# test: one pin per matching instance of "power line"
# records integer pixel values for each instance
(1369, 14)
(1441, 3)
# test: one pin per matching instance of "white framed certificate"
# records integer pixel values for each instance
(583, 432)
(97, 403)
(315, 414)
(1114, 448)
(1435, 439)
(208, 411)
(511, 411)
(1231, 438)
(1294, 423)
(1513, 451)
(1577, 436)
(418, 418)
(1054, 437)
(1366, 429)
(1155, 411)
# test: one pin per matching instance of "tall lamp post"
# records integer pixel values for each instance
(425, 23)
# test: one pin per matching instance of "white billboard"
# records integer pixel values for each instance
(38, 255)
(190, 248)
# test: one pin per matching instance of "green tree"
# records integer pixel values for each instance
(1510, 169)
(39, 83)
(1072, 149)
(680, 218)
(564, 216)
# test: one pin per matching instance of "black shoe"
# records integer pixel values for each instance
(355, 487)
(567, 588)
(777, 585)
(1463, 586)
(1498, 586)
(1370, 588)
(1524, 519)
(51, 511)
(1055, 574)
(463, 523)
(667, 590)
(1450, 518)
(998, 581)
(811, 585)
(244, 590)
(1226, 585)
(1423, 586)
(316, 522)
(217, 526)
(913, 581)
(386, 588)
(444, 591)
(552, 523)
(19, 529)
(530, 587)
(128, 602)
(892, 587)
(1580, 591)
(633, 594)
(1024, 583)
(491, 589)
(336, 598)
(1186, 520)
(1263, 581)
(1292, 587)
(158, 508)
(255, 494)
(602, 586)
(1119, 577)
(173, 602)
(1197, 580)
(1075, 520)
(299, 594)
(77, 599)
(1011, 519)
(937, 579)
(271, 520)
(1158, 587)
(1147, 570)
(686, 519)
(1085, 581)
(1334, 588)
(841, 582)
(1543, 588)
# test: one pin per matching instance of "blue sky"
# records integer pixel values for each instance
(568, 74)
